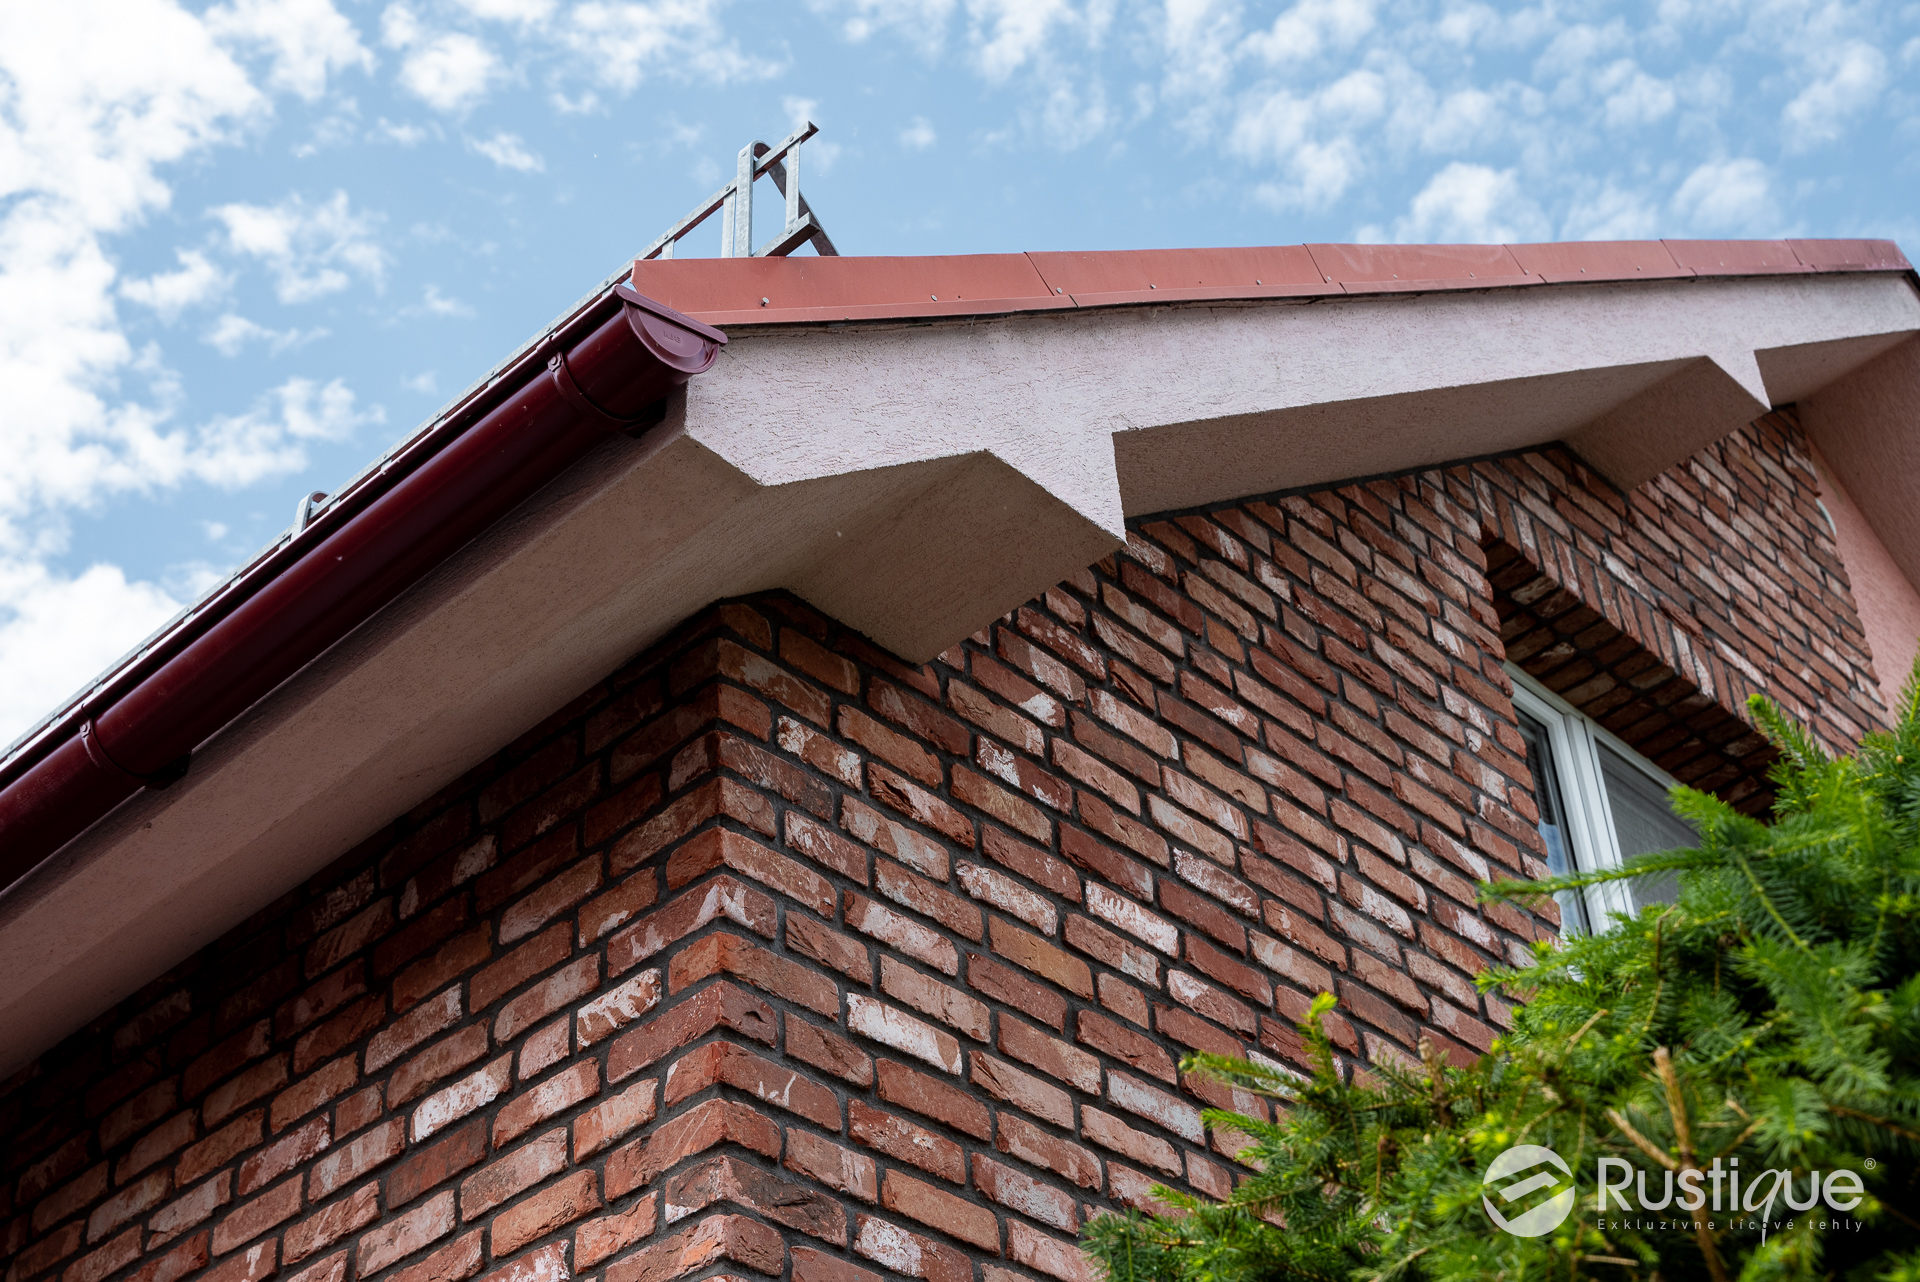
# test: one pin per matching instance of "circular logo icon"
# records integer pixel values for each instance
(1536, 1165)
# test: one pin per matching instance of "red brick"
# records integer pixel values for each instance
(930, 997)
(611, 1119)
(1006, 985)
(718, 847)
(729, 954)
(929, 1097)
(822, 846)
(350, 1161)
(724, 1063)
(547, 996)
(1129, 1047)
(609, 1235)
(455, 1262)
(281, 1156)
(829, 1051)
(1017, 690)
(448, 1055)
(728, 1179)
(541, 953)
(813, 1266)
(762, 769)
(716, 1238)
(1018, 1191)
(255, 1264)
(184, 1212)
(908, 1253)
(910, 937)
(318, 1232)
(688, 912)
(451, 960)
(919, 805)
(722, 797)
(343, 1030)
(1048, 1255)
(1140, 838)
(615, 1008)
(1020, 1138)
(922, 1201)
(1102, 944)
(903, 1141)
(249, 1220)
(1042, 958)
(512, 1174)
(553, 1207)
(414, 1027)
(555, 1095)
(189, 1256)
(922, 896)
(1050, 1055)
(829, 947)
(978, 791)
(715, 1006)
(827, 1163)
(915, 849)
(1022, 1090)
(1111, 1133)
(895, 749)
(715, 1121)
(111, 1258)
(548, 1264)
(451, 1103)
(430, 1167)
(401, 1235)
(237, 1092)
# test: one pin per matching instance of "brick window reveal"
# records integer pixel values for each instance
(774, 955)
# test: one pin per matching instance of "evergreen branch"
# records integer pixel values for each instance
(1640, 1141)
(1871, 1120)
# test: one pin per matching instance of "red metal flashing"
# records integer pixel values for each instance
(616, 355)
(1374, 269)
(1736, 257)
(769, 291)
(730, 291)
(1608, 260)
(1180, 275)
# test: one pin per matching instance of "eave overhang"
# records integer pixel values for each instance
(916, 473)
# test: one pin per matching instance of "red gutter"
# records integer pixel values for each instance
(603, 370)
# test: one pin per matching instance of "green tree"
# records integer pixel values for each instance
(1770, 1015)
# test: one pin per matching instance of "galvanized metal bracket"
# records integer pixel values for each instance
(735, 203)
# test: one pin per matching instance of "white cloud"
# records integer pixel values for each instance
(307, 40)
(270, 439)
(1855, 74)
(448, 70)
(1472, 204)
(170, 293)
(509, 152)
(434, 303)
(624, 41)
(918, 135)
(427, 383)
(1007, 34)
(312, 250)
(922, 22)
(1726, 196)
(1311, 27)
(526, 12)
(232, 334)
(57, 633)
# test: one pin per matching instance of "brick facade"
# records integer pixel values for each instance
(774, 955)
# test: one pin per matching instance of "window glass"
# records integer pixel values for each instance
(1643, 822)
(1553, 823)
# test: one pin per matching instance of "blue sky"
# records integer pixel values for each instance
(245, 246)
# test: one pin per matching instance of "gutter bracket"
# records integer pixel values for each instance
(97, 753)
(563, 381)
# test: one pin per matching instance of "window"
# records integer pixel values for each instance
(1600, 802)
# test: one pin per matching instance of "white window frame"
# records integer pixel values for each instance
(1575, 740)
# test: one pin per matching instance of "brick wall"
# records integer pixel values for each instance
(773, 955)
